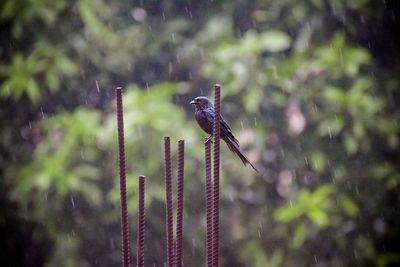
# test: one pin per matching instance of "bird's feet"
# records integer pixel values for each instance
(208, 139)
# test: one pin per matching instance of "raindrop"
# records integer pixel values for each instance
(72, 201)
(190, 75)
(163, 16)
(255, 121)
(173, 37)
(330, 133)
(241, 124)
(315, 258)
(202, 54)
(112, 244)
(170, 68)
(140, 132)
(178, 58)
(333, 9)
(259, 233)
(193, 245)
(82, 155)
(306, 160)
(290, 203)
(341, 56)
(97, 86)
(230, 196)
(275, 72)
(41, 110)
(45, 195)
(30, 124)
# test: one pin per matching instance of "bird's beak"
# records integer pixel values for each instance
(193, 102)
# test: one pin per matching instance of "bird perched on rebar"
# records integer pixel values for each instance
(204, 114)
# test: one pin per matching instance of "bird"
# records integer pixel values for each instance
(204, 114)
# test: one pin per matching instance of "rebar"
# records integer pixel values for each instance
(179, 210)
(122, 179)
(216, 141)
(209, 202)
(168, 204)
(140, 224)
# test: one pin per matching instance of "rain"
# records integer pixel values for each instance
(309, 96)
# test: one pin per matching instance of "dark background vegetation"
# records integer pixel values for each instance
(311, 89)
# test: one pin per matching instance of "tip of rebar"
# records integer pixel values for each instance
(181, 141)
(118, 88)
(142, 177)
(166, 138)
(217, 85)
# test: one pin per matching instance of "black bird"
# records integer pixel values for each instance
(204, 114)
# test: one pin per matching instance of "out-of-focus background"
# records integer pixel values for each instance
(310, 89)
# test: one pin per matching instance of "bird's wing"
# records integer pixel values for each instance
(225, 129)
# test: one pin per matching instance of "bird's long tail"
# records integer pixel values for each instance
(234, 147)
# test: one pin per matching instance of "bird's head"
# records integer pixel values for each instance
(201, 102)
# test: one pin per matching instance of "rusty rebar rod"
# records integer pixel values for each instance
(122, 179)
(168, 202)
(140, 226)
(179, 210)
(209, 202)
(216, 141)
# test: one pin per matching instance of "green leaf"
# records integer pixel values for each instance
(9, 9)
(335, 95)
(319, 217)
(253, 97)
(287, 213)
(274, 41)
(318, 161)
(349, 206)
(350, 144)
(320, 197)
(92, 23)
(299, 236)
(32, 90)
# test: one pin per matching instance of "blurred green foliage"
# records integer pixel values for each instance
(309, 87)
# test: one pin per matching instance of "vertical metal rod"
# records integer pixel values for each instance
(216, 141)
(179, 212)
(140, 224)
(122, 179)
(209, 202)
(168, 204)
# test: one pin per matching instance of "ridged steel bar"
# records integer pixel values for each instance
(216, 141)
(122, 180)
(180, 202)
(168, 202)
(209, 202)
(140, 227)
